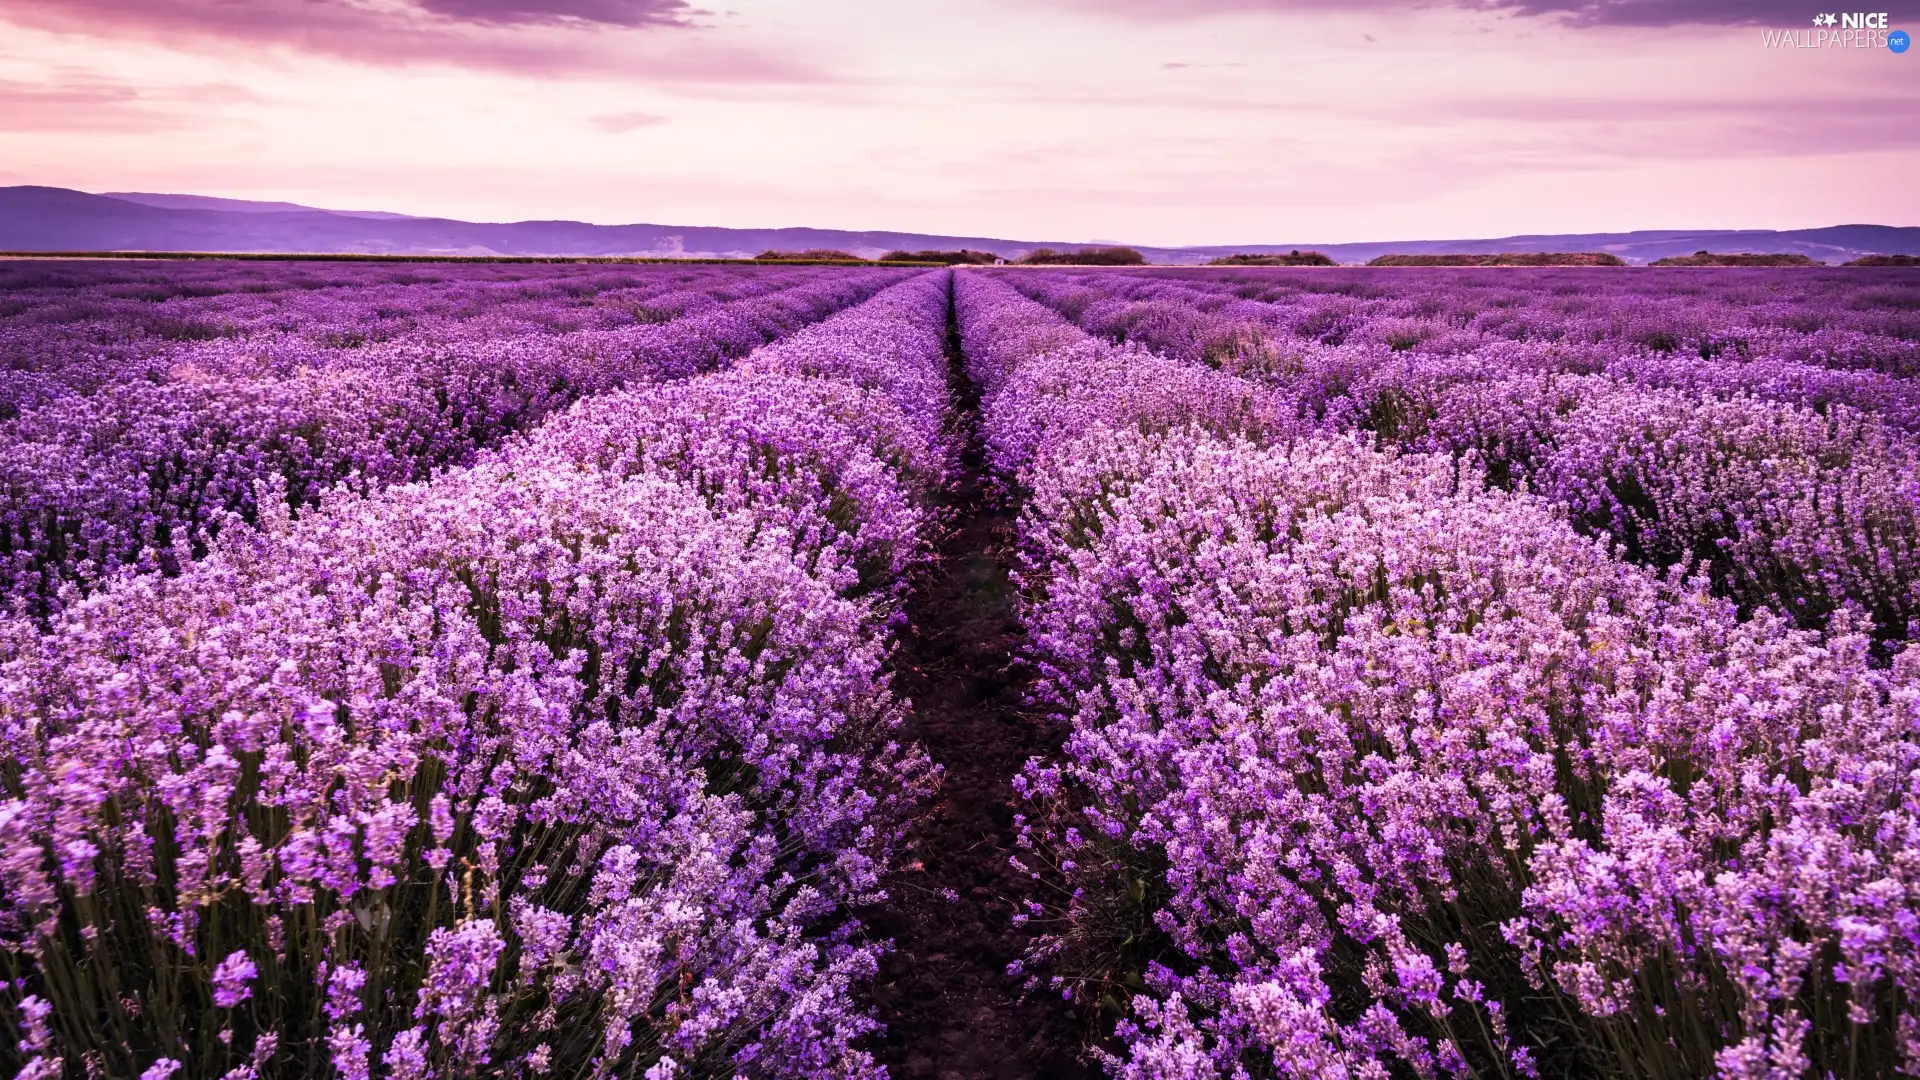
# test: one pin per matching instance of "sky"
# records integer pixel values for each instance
(1162, 122)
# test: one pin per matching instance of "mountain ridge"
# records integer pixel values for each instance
(37, 218)
(239, 206)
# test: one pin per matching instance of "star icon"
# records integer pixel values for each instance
(1824, 20)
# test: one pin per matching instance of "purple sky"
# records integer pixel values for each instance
(1154, 121)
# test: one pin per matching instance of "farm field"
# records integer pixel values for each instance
(699, 671)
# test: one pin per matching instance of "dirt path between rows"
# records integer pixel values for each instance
(951, 1010)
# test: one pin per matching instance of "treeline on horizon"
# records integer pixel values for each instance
(1709, 258)
(1507, 258)
(1296, 257)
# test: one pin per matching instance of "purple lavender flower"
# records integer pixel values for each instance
(620, 637)
(232, 979)
(1332, 707)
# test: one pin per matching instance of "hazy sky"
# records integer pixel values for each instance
(1153, 121)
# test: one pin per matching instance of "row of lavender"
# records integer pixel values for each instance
(72, 327)
(1849, 319)
(142, 472)
(575, 761)
(1758, 332)
(1788, 484)
(1377, 770)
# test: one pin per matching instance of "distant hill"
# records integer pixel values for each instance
(59, 219)
(1833, 244)
(238, 206)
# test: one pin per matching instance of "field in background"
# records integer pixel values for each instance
(677, 670)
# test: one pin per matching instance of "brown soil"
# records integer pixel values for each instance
(952, 1011)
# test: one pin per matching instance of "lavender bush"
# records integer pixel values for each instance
(1791, 485)
(571, 762)
(484, 671)
(1840, 318)
(1376, 769)
(843, 472)
(1071, 383)
(1404, 774)
(138, 474)
(74, 327)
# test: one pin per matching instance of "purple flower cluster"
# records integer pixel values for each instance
(1779, 505)
(73, 327)
(575, 760)
(1378, 770)
(1844, 319)
(1068, 382)
(833, 438)
(1482, 673)
(1791, 485)
(140, 472)
(1805, 338)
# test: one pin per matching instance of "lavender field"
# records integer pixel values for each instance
(700, 671)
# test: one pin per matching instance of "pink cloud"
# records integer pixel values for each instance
(655, 39)
(105, 107)
(1612, 131)
(629, 13)
(621, 123)
(25, 107)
